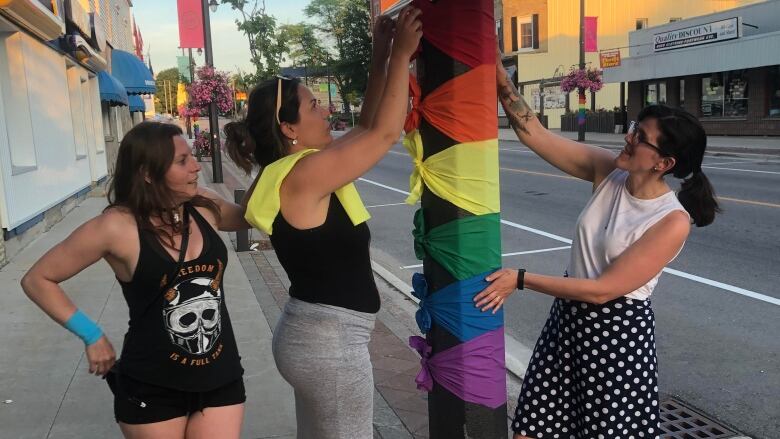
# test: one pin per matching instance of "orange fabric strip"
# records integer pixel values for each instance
(463, 108)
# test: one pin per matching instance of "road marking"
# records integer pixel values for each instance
(528, 252)
(692, 277)
(383, 186)
(539, 173)
(742, 170)
(758, 203)
(516, 353)
(721, 285)
(385, 205)
(738, 162)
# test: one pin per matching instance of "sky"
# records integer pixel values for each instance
(158, 22)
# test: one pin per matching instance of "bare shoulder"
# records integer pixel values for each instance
(115, 225)
(674, 226)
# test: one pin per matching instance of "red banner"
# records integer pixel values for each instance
(591, 33)
(190, 24)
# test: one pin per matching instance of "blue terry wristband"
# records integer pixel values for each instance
(83, 327)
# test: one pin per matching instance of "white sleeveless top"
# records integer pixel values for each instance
(612, 221)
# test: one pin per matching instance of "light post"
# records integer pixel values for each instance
(216, 153)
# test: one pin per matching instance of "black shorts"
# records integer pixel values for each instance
(136, 402)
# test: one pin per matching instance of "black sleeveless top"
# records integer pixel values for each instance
(179, 334)
(328, 264)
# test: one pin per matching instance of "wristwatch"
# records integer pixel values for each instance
(520, 278)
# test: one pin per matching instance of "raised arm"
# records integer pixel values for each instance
(377, 77)
(587, 162)
(347, 159)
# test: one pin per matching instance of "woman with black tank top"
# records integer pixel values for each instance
(306, 202)
(180, 372)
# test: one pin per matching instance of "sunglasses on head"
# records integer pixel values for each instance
(279, 79)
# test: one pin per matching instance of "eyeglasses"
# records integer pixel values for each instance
(279, 96)
(633, 133)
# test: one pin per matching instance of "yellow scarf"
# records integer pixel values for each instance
(265, 202)
(466, 174)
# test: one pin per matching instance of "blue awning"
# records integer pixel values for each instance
(136, 103)
(111, 90)
(132, 73)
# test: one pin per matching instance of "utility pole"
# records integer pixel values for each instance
(450, 413)
(581, 91)
(192, 79)
(216, 153)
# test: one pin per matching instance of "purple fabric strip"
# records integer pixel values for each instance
(474, 371)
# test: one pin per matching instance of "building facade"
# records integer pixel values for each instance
(56, 128)
(722, 67)
(541, 38)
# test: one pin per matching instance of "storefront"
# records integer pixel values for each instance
(724, 68)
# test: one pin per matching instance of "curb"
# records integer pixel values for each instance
(515, 352)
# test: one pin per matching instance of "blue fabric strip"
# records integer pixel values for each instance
(84, 328)
(452, 307)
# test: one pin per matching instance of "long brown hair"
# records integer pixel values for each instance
(138, 185)
(258, 138)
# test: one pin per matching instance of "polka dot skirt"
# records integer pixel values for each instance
(593, 374)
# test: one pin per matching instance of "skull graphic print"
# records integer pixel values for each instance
(192, 316)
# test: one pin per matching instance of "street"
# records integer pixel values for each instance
(716, 308)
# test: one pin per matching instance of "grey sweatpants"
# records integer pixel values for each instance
(322, 351)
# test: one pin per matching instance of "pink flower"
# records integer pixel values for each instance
(584, 79)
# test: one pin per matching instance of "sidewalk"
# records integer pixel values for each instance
(45, 385)
(715, 144)
(46, 392)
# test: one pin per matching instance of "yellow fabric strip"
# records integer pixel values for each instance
(466, 174)
(264, 205)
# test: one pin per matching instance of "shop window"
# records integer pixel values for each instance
(15, 103)
(774, 91)
(724, 95)
(641, 23)
(514, 34)
(655, 93)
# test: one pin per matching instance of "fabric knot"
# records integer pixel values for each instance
(420, 291)
(424, 378)
(415, 115)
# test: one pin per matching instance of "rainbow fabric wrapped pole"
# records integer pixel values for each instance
(451, 136)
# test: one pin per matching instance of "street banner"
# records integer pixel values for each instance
(609, 58)
(190, 24)
(183, 62)
(591, 34)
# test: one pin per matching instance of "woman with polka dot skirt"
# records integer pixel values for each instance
(593, 372)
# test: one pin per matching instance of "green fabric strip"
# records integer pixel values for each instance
(465, 247)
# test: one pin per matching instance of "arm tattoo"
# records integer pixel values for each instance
(517, 110)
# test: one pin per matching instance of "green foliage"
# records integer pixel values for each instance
(347, 24)
(172, 77)
(266, 43)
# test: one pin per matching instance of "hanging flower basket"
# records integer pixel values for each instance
(211, 86)
(578, 79)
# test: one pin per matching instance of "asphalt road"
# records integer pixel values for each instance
(718, 314)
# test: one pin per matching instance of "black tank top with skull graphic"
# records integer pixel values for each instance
(179, 333)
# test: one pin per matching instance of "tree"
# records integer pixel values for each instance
(167, 101)
(266, 43)
(347, 24)
(304, 47)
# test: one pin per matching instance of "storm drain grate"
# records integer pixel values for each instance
(681, 422)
